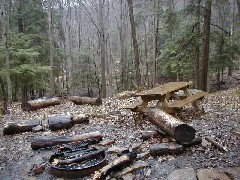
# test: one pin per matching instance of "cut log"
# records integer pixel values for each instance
(196, 141)
(85, 100)
(19, 128)
(181, 132)
(149, 134)
(165, 148)
(44, 143)
(213, 142)
(40, 103)
(79, 159)
(80, 119)
(60, 122)
(117, 164)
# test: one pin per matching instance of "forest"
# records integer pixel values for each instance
(120, 89)
(99, 48)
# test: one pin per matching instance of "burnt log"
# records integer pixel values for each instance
(85, 100)
(194, 142)
(60, 122)
(116, 165)
(165, 148)
(79, 159)
(44, 143)
(180, 131)
(14, 128)
(36, 104)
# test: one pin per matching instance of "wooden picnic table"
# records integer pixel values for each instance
(165, 93)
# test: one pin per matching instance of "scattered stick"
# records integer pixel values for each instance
(213, 142)
(117, 164)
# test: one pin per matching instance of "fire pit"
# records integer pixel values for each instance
(76, 160)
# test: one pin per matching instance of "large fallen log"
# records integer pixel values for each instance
(44, 143)
(40, 103)
(85, 100)
(117, 164)
(182, 133)
(60, 122)
(14, 128)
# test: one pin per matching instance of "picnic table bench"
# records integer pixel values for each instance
(164, 94)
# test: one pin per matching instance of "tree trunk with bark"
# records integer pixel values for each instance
(102, 49)
(51, 49)
(135, 43)
(183, 133)
(205, 46)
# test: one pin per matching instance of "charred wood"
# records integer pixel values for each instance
(85, 100)
(44, 143)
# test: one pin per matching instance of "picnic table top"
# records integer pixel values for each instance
(165, 88)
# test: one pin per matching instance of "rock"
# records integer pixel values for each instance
(205, 143)
(127, 177)
(182, 174)
(209, 174)
(37, 128)
(38, 169)
(143, 155)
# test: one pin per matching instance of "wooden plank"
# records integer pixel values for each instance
(134, 106)
(189, 99)
(165, 89)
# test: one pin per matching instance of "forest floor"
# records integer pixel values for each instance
(220, 121)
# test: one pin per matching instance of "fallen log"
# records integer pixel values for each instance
(117, 164)
(194, 142)
(181, 132)
(44, 143)
(213, 142)
(19, 128)
(40, 103)
(80, 119)
(85, 100)
(149, 134)
(60, 122)
(165, 148)
(79, 159)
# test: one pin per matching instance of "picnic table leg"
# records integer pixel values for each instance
(140, 114)
(194, 104)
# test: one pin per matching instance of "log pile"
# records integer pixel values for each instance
(85, 100)
(36, 104)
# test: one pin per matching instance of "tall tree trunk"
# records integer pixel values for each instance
(197, 48)
(6, 32)
(102, 50)
(238, 5)
(155, 39)
(51, 49)
(205, 45)
(135, 44)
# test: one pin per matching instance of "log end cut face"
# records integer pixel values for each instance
(184, 133)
